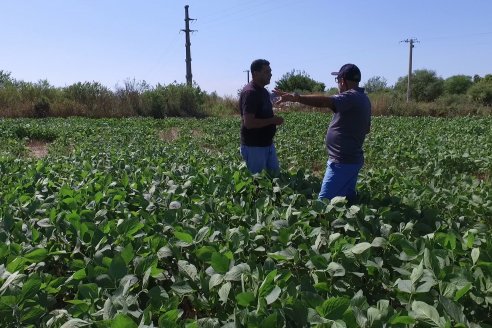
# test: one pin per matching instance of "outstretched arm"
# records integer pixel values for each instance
(309, 100)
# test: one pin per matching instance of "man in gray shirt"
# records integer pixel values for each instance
(346, 133)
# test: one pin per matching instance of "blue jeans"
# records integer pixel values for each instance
(260, 158)
(339, 180)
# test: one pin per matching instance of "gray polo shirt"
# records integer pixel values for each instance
(348, 128)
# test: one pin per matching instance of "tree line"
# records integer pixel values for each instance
(426, 86)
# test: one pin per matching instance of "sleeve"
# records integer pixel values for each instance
(341, 102)
(248, 103)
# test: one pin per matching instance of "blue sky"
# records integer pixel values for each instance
(110, 41)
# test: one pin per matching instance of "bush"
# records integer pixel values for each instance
(42, 107)
(457, 84)
(130, 96)
(218, 106)
(174, 100)
(481, 92)
(376, 84)
(425, 85)
(300, 82)
(98, 100)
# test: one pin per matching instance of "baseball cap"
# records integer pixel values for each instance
(349, 72)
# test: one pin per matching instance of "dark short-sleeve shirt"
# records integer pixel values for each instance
(348, 128)
(255, 99)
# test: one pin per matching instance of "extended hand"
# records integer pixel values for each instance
(282, 96)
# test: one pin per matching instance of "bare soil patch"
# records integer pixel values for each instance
(169, 135)
(38, 148)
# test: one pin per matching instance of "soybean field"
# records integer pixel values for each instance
(157, 223)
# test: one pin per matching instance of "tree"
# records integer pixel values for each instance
(300, 82)
(425, 85)
(376, 84)
(457, 84)
(482, 90)
(5, 78)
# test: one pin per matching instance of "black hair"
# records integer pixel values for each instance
(258, 64)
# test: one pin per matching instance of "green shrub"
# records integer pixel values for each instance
(42, 107)
(218, 106)
(98, 100)
(457, 84)
(179, 100)
(481, 92)
(376, 84)
(130, 96)
(300, 82)
(425, 85)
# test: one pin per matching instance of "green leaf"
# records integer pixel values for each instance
(431, 262)
(30, 288)
(88, 291)
(270, 321)
(123, 321)
(75, 323)
(128, 254)
(379, 242)
(360, 248)
(32, 314)
(404, 320)
(77, 275)
(183, 236)
(164, 252)
(10, 279)
(224, 292)
(373, 316)
(204, 253)
(18, 264)
(235, 273)
(189, 269)
(453, 310)
(274, 295)
(333, 308)
(320, 262)
(171, 315)
(267, 285)
(215, 280)
(245, 298)
(336, 270)
(461, 292)
(118, 268)
(406, 286)
(475, 254)
(182, 288)
(417, 272)
(220, 263)
(36, 255)
(284, 255)
(338, 324)
(426, 313)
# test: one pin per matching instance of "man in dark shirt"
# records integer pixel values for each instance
(347, 131)
(258, 123)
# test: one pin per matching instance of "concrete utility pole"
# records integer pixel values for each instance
(189, 76)
(409, 83)
(247, 71)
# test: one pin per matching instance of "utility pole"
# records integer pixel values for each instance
(409, 82)
(189, 76)
(247, 71)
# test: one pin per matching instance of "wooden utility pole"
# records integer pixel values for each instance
(189, 76)
(409, 81)
(247, 71)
